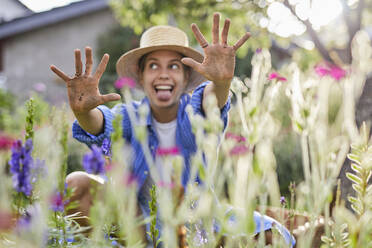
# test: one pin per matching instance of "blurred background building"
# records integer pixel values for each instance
(30, 42)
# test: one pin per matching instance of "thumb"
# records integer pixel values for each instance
(192, 63)
(110, 97)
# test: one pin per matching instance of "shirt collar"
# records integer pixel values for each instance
(183, 100)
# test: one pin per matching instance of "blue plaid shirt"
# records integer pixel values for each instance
(185, 139)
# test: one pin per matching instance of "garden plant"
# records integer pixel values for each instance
(240, 177)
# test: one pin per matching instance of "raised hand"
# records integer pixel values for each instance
(219, 58)
(82, 89)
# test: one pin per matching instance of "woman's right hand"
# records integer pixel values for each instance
(82, 89)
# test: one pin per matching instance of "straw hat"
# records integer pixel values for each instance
(160, 38)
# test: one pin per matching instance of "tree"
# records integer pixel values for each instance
(245, 15)
(116, 41)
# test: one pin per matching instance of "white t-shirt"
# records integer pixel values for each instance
(166, 133)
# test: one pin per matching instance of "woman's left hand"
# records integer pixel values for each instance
(219, 58)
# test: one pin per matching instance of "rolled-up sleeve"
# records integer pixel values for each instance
(90, 139)
(197, 103)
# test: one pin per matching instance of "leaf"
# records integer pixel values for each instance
(356, 168)
(326, 240)
(299, 126)
(354, 158)
(353, 200)
(354, 178)
(357, 209)
(252, 112)
(357, 188)
(202, 172)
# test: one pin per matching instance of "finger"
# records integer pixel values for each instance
(192, 63)
(88, 61)
(78, 63)
(60, 73)
(199, 36)
(215, 28)
(225, 32)
(242, 40)
(102, 66)
(110, 97)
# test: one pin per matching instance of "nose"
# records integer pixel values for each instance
(164, 74)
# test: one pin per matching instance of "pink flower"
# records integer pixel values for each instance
(162, 184)
(40, 87)
(167, 151)
(239, 150)
(6, 220)
(130, 179)
(5, 142)
(337, 73)
(333, 71)
(321, 71)
(237, 138)
(125, 81)
(275, 75)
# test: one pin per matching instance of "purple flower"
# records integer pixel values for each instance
(282, 201)
(21, 163)
(24, 222)
(106, 147)
(39, 170)
(125, 81)
(258, 50)
(56, 202)
(94, 162)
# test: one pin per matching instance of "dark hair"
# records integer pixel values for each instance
(142, 60)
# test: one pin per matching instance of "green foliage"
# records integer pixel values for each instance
(306, 59)
(361, 157)
(63, 140)
(116, 41)
(142, 14)
(287, 150)
(30, 119)
(118, 133)
(7, 106)
(154, 232)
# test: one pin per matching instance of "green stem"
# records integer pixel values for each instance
(306, 157)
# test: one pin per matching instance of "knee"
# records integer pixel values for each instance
(79, 181)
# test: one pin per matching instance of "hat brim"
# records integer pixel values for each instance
(127, 64)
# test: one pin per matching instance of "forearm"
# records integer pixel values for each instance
(91, 122)
(221, 91)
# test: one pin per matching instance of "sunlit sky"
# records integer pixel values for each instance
(42, 5)
(280, 21)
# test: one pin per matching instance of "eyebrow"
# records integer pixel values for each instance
(172, 60)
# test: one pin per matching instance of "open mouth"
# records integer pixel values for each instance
(164, 92)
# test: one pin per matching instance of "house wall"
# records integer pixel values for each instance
(27, 57)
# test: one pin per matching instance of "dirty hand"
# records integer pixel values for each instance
(82, 89)
(219, 58)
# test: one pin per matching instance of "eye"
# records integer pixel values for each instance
(174, 66)
(153, 66)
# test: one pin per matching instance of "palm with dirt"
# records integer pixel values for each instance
(82, 89)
